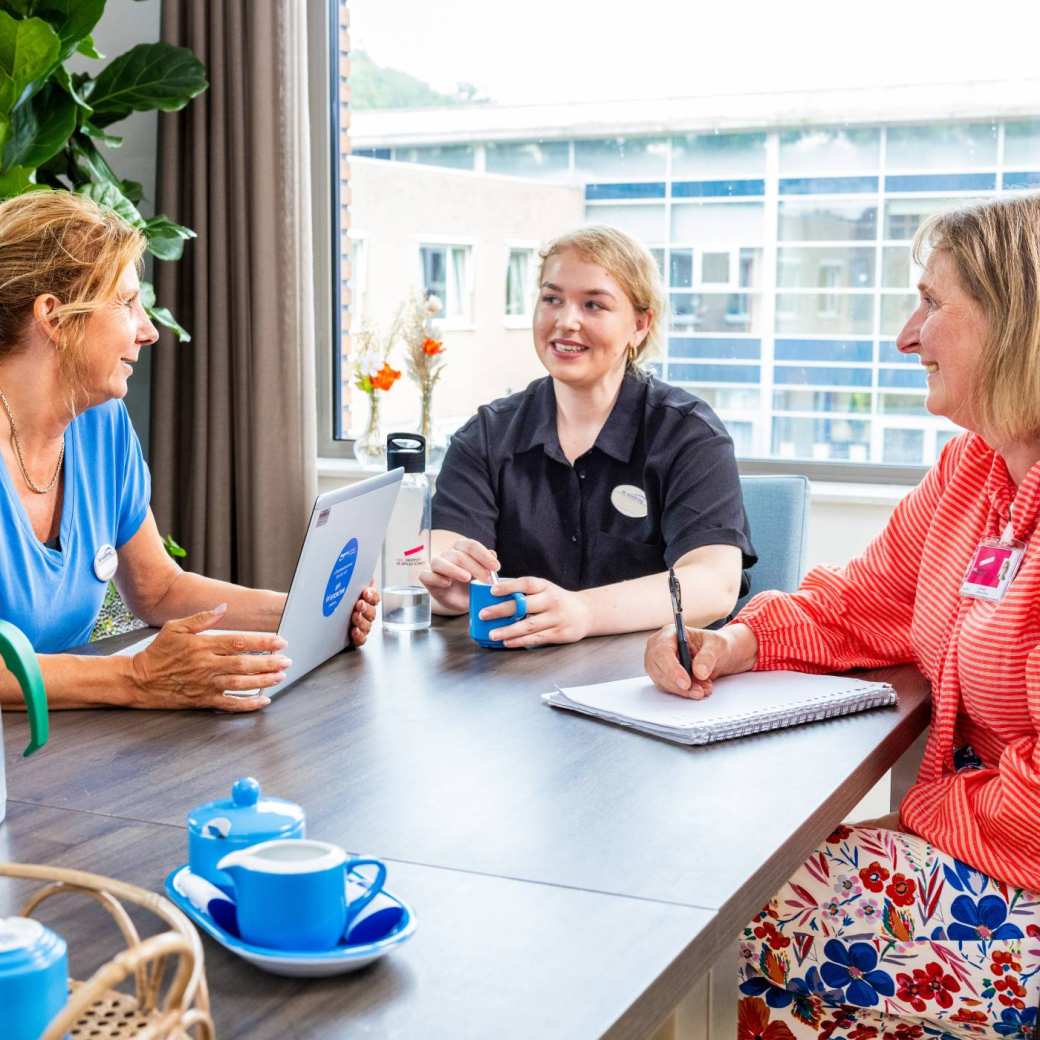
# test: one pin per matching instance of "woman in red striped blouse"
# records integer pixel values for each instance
(930, 925)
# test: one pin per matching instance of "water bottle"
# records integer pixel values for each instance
(406, 551)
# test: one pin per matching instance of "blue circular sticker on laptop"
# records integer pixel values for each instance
(339, 579)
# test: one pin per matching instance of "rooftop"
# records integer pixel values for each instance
(937, 102)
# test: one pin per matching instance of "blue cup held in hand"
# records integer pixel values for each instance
(480, 597)
(291, 894)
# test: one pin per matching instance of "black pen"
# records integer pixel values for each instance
(680, 628)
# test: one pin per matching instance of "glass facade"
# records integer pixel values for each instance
(787, 260)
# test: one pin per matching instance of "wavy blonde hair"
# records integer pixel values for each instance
(60, 243)
(995, 249)
(630, 264)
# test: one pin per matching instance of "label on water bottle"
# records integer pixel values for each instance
(415, 557)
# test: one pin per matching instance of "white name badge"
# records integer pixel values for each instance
(106, 560)
(993, 567)
(629, 500)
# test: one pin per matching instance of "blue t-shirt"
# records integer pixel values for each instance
(53, 595)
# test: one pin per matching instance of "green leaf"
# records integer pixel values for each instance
(165, 238)
(28, 50)
(161, 315)
(16, 181)
(105, 194)
(90, 163)
(73, 21)
(68, 84)
(55, 173)
(173, 548)
(133, 190)
(149, 76)
(87, 49)
(100, 135)
(39, 128)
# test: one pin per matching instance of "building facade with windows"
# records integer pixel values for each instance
(471, 240)
(782, 225)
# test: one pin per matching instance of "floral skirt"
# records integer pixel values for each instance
(879, 936)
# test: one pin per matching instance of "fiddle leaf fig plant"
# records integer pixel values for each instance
(54, 124)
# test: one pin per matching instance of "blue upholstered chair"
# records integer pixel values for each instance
(778, 511)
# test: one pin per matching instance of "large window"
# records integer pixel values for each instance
(783, 239)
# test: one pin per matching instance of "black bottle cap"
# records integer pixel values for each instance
(407, 450)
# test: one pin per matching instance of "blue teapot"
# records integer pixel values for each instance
(226, 825)
(20, 659)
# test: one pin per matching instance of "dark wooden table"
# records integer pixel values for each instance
(571, 879)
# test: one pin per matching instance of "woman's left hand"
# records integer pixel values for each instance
(554, 615)
(363, 615)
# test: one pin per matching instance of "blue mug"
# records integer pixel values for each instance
(34, 977)
(480, 596)
(291, 894)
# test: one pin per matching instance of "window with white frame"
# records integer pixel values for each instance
(520, 273)
(446, 275)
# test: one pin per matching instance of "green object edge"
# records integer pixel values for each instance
(21, 662)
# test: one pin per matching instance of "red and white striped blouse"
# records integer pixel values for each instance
(900, 602)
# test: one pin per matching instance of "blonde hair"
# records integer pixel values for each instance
(630, 264)
(66, 245)
(995, 249)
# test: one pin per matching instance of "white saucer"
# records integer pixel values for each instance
(336, 961)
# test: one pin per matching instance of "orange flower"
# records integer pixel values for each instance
(432, 347)
(385, 377)
(753, 1022)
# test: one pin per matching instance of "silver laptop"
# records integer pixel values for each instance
(338, 557)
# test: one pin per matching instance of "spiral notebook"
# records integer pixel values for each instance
(739, 705)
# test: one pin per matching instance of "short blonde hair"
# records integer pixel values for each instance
(995, 249)
(67, 245)
(630, 264)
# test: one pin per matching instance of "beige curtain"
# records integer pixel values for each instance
(233, 431)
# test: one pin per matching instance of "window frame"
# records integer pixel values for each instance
(447, 322)
(323, 28)
(526, 319)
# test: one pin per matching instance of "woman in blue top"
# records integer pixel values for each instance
(75, 489)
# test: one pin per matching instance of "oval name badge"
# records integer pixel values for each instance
(629, 500)
(106, 560)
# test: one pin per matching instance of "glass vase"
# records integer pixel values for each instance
(370, 447)
(435, 448)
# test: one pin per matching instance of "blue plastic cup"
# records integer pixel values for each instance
(480, 596)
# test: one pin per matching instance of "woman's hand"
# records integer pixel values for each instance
(713, 653)
(451, 572)
(364, 614)
(182, 669)
(554, 615)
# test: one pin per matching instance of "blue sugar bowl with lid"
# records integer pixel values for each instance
(246, 818)
(34, 977)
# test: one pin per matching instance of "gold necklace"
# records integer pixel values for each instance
(18, 454)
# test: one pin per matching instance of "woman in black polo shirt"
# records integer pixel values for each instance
(589, 484)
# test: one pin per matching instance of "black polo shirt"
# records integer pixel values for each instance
(660, 480)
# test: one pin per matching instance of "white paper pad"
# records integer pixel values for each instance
(739, 704)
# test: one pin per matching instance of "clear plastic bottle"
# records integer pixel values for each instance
(406, 550)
